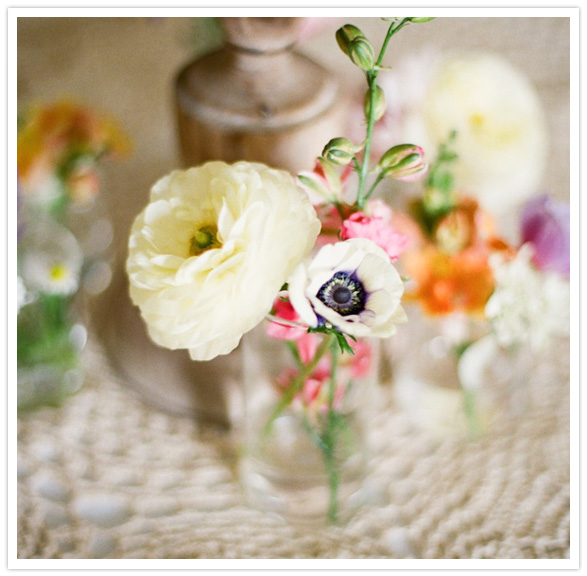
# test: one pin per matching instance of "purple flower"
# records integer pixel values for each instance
(546, 225)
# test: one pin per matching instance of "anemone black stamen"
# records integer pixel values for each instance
(344, 293)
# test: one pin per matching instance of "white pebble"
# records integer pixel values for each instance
(50, 487)
(105, 510)
(398, 543)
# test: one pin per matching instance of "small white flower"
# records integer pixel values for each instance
(527, 306)
(51, 259)
(212, 249)
(351, 285)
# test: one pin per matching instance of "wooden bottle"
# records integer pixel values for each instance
(256, 99)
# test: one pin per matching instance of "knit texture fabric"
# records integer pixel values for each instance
(107, 476)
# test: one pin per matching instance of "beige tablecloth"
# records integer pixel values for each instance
(108, 476)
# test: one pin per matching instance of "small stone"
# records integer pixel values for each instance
(101, 545)
(51, 488)
(398, 543)
(46, 451)
(104, 510)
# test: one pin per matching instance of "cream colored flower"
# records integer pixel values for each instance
(351, 285)
(501, 127)
(212, 249)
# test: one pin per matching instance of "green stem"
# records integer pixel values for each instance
(469, 398)
(380, 177)
(471, 413)
(372, 83)
(330, 442)
(298, 382)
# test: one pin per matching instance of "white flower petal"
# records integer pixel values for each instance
(369, 264)
(205, 303)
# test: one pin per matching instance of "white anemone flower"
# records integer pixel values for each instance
(528, 305)
(212, 249)
(51, 259)
(352, 286)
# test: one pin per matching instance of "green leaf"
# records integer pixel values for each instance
(343, 343)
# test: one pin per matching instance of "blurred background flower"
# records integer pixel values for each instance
(500, 125)
(64, 241)
(546, 225)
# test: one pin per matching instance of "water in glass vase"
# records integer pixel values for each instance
(307, 406)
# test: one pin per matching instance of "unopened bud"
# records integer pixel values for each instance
(345, 35)
(403, 162)
(419, 20)
(379, 104)
(361, 53)
(339, 151)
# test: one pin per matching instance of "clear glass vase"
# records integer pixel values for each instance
(305, 451)
(451, 378)
(51, 327)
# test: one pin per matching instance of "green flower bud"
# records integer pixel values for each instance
(403, 162)
(339, 151)
(419, 20)
(361, 53)
(345, 35)
(379, 103)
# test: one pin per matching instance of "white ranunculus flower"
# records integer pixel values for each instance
(501, 127)
(351, 285)
(211, 250)
(528, 305)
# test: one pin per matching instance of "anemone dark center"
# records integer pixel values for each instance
(343, 293)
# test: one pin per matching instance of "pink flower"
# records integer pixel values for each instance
(282, 309)
(307, 347)
(313, 386)
(361, 359)
(377, 228)
(316, 390)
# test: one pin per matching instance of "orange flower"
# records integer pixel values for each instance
(53, 134)
(448, 265)
(446, 283)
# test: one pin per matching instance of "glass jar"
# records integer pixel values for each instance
(50, 335)
(451, 378)
(307, 407)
